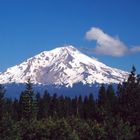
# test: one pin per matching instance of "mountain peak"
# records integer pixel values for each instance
(70, 47)
(66, 48)
(62, 66)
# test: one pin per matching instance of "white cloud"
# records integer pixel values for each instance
(135, 49)
(108, 45)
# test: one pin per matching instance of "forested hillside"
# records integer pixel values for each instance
(115, 115)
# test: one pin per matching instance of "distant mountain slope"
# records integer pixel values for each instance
(62, 66)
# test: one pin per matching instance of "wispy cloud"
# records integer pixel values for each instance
(108, 45)
(135, 49)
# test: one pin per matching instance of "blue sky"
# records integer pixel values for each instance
(28, 27)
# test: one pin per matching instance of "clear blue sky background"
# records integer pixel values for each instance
(28, 27)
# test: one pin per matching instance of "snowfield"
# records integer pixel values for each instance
(62, 66)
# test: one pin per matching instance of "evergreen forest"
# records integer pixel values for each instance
(114, 115)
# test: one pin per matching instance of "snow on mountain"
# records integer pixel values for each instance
(62, 66)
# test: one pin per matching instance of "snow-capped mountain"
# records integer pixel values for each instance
(62, 66)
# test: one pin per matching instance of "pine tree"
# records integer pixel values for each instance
(111, 97)
(85, 107)
(103, 102)
(129, 98)
(53, 108)
(102, 97)
(15, 110)
(91, 107)
(74, 107)
(28, 102)
(44, 105)
(80, 106)
(2, 101)
(38, 102)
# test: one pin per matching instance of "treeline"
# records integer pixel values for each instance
(115, 115)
